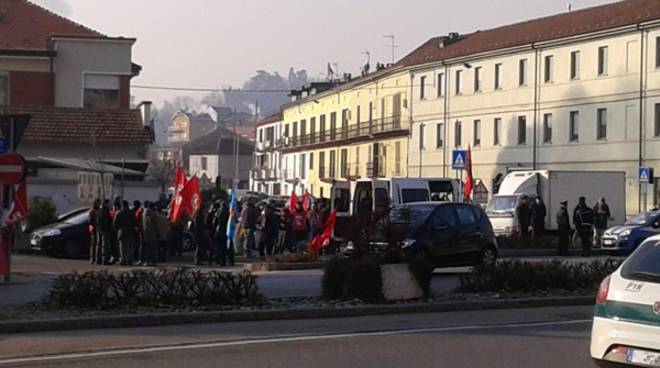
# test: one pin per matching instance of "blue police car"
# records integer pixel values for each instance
(624, 239)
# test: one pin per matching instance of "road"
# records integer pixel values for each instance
(540, 337)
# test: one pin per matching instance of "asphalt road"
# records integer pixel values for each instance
(541, 337)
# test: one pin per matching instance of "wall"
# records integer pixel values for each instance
(30, 88)
(105, 151)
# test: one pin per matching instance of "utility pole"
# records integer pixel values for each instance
(392, 45)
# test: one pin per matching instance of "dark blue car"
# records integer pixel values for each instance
(624, 239)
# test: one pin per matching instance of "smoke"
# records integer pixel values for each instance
(61, 7)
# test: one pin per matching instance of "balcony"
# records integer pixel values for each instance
(260, 174)
(266, 145)
(377, 128)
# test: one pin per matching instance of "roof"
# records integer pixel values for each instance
(208, 143)
(87, 165)
(71, 125)
(599, 18)
(271, 119)
(27, 26)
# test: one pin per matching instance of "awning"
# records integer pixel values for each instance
(87, 165)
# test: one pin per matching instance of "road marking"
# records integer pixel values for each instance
(278, 339)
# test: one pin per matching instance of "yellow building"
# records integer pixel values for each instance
(345, 131)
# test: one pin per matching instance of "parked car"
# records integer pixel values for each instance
(624, 239)
(447, 233)
(68, 237)
(626, 327)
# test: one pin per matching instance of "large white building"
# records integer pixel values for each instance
(267, 175)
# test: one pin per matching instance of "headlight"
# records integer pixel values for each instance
(407, 243)
(625, 233)
(50, 232)
(349, 245)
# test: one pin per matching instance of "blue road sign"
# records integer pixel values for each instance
(458, 159)
(645, 175)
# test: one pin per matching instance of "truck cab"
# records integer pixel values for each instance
(501, 209)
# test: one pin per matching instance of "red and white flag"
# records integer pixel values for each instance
(469, 179)
(323, 239)
(179, 184)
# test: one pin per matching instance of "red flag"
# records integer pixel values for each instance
(179, 184)
(15, 214)
(293, 201)
(191, 198)
(306, 202)
(323, 239)
(469, 180)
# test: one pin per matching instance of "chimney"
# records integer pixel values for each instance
(145, 110)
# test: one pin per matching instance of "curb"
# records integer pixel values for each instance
(163, 319)
(274, 266)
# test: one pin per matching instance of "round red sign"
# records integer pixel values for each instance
(12, 168)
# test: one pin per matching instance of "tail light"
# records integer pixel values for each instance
(604, 289)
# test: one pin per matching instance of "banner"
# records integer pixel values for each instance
(179, 184)
(191, 198)
(469, 180)
(323, 240)
(11, 217)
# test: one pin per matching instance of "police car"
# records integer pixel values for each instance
(626, 328)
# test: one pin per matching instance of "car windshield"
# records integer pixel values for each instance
(644, 263)
(78, 219)
(412, 216)
(642, 218)
(503, 203)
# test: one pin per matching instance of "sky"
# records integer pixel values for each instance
(217, 43)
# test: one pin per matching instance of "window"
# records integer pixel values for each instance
(422, 88)
(332, 168)
(575, 65)
(261, 136)
(4, 90)
(441, 84)
(303, 131)
(457, 134)
(574, 126)
(205, 163)
(522, 72)
(477, 79)
(344, 124)
(371, 115)
(657, 52)
(303, 166)
(358, 118)
(522, 129)
(444, 217)
(397, 159)
(322, 165)
(357, 161)
(601, 124)
(549, 63)
(322, 128)
(602, 60)
(476, 133)
(497, 128)
(312, 130)
(465, 215)
(498, 76)
(458, 81)
(333, 126)
(547, 128)
(439, 135)
(311, 160)
(344, 163)
(657, 120)
(101, 91)
(421, 137)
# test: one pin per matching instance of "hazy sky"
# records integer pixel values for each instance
(214, 43)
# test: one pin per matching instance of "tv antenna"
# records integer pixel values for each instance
(392, 44)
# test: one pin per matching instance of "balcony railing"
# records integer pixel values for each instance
(265, 174)
(350, 131)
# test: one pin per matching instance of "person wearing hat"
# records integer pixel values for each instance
(564, 226)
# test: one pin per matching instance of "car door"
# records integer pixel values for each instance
(443, 232)
(469, 235)
(340, 201)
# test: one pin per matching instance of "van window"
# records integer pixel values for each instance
(465, 215)
(441, 190)
(363, 201)
(341, 200)
(414, 195)
(382, 198)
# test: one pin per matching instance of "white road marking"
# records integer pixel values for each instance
(278, 339)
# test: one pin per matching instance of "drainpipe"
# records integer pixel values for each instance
(640, 159)
(410, 123)
(446, 121)
(536, 104)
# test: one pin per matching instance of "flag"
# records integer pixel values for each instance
(469, 180)
(12, 216)
(306, 202)
(293, 201)
(323, 239)
(179, 184)
(231, 223)
(191, 198)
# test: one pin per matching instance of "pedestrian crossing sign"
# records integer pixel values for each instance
(645, 175)
(458, 159)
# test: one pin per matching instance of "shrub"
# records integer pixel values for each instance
(42, 212)
(422, 270)
(180, 287)
(345, 278)
(292, 258)
(520, 276)
(334, 277)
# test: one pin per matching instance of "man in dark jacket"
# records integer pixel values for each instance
(150, 234)
(125, 227)
(601, 216)
(104, 226)
(94, 241)
(224, 254)
(271, 226)
(249, 226)
(564, 228)
(538, 215)
(524, 216)
(583, 219)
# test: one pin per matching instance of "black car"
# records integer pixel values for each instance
(448, 234)
(68, 237)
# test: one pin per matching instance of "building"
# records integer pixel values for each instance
(185, 127)
(266, 174)
(573, 91)
(73, 83)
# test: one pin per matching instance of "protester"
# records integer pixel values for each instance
(524, 216)
(224, 254)
(601, 216)
(314, 220)
(124, 224)
(150, 234)
(300, 228)
(564, 228)
(94, 240)
(583, 220)
(201, 237)
(163, 234)
(538, 215)
(285, 235)
(104, 226)
(249, 226)
(269, 231)
(138, 215)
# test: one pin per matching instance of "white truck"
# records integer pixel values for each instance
(555, 186)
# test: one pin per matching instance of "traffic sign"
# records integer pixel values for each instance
(645, 175)
(458, 159)
(12, 168)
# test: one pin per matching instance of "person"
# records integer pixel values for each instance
(524, 216)
(538, 215)
(223, 252)
(150, 234)
(564, 228)
(94, 241)
(601, 216)
(114, 242)
(104, 224)
(269, 231)
(163, 234)
(124, 224)
(201, 237)
(211, 228)
(314, 219)
(300, 227)
(583, 220)
(285, 234)
(138, 215)
(249, 226)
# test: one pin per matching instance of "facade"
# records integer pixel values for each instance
(266, 175)
(185, 127)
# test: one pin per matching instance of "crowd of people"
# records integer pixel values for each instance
(144, 235)
(589, 223)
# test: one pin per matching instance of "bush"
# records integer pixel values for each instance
(422, 270)
(345, 278)
(42, 212)
(519, 276)
(291, 258)
(180, 287)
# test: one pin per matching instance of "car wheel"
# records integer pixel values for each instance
(187, 243)
(488, 257)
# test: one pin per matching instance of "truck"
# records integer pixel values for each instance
(354, 197)
(555, 186)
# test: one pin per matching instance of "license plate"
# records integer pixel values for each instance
(642, 357)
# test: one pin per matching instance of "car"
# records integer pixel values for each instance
(626, 324)
(68, 237)
(446, 233)
(623, 240)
